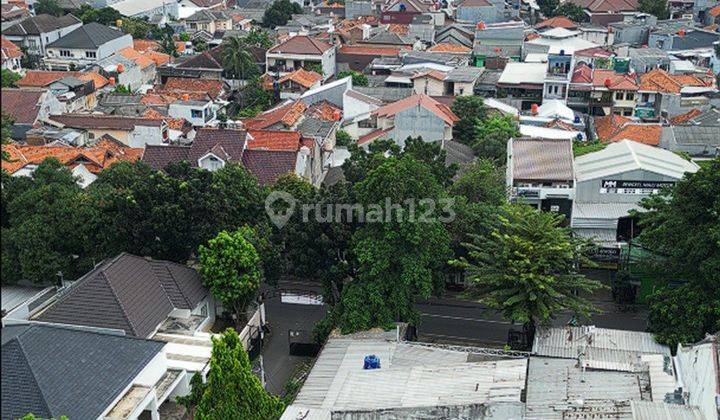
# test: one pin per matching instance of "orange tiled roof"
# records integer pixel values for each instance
(101, 155)
(287, 114)
(212, 87)
(143, 45)
(141, 60)
(173, 123)
(168, 97)
(561, 125)
(359, 50)
(397, 28)
(158, 57)
(613, 81)
(440, 110)
(557, 22)
(449, 48)
(434, 74)
(302, 77)
(683, 118)
(41, 78)
(615, 128)
(532, 36)
(324, 110)
(274, 140)
(660, 81)
(180, 47)
(715, 11)
(9, 50)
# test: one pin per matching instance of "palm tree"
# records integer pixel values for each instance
(237, 60)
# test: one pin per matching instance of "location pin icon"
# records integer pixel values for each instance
(279, 216)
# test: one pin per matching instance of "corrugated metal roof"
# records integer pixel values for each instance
(646, 410)
(538, 159)
(560, 390)
(699, 367)
(625, 156)
(410, 376)
(598, 348)
(13, 296)
(609, 210)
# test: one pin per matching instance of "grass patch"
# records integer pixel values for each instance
(584, 147)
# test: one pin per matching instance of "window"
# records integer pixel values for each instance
(646, 97)
(619, 96)
(629, 96)
(65, 53)
(196, 113)
(90, 54)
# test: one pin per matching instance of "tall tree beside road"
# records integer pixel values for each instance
(470, 110)
(230, 268)
(398, 258)
(527, 267)
(232, 390)
(682, 225)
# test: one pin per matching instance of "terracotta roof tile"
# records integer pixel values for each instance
(41, 78)
(373, 135)
(179, 124)
(613, 81)
(582, 74)
(301, 44)
(359, 50)
(532, 36)
(399, 29)
(450, 48)
(615, 128)
(274, 140)
(212, 87)
(715, 11)
(9, 50)
(683, 118)
(659, 80)
(143, 45)
(287, 114)
(95, 158)
(269, 165)
(302, 77)
(22, 105)
(433, 74)
(141, 60)
(324, 110)
(557, 22)
(440, 110)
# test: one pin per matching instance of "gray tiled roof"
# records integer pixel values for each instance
(55, 371)
(90, 36)
(385, 94)
(315, 127)
(125, 293)
(41, 24)
(542, 159)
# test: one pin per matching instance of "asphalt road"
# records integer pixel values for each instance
(446, 320)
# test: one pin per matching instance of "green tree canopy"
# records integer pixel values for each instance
(398, 259)
(659, 8)
(9, 78)
(104, 15)
(547, 7)
(280, 12)
(232, 390)
(237, 60)
(492, 135)
(358, 79)
(526, 268)
(230, 268)
(470, 110)
(572, 11)
(48, 7)
(481, 182)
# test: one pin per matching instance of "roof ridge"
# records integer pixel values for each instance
(180, 289)
(114, 293)
(32, 372)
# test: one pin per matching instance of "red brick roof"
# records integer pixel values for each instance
(41, 78)
(615, 128)
(324, 110)
(101, 155)
(274, 140)
(658, 80)
(440, 110)
(359, 50)
(683, 118)
(301, 44)
(9, 50)
(179, 84)
(287, 114)
(613, 81)
(22, 105)
(179, 124)
(450, 48)
(269, 165)
(302, 77)
(614, 6)
(557, 22)
(582, 74)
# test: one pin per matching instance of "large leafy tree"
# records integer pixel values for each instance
(9, 78)
(470, 109)
(658, 8)
(572, 11)
(232, 390)
(280, 12)
(527, 267)
(45, 230)
(480, 182)
(492, 135)
(682, 226)
(398, 256)
(236, 59)
(230, 268)
(547, 7)
(48, 7)
(358, 79)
